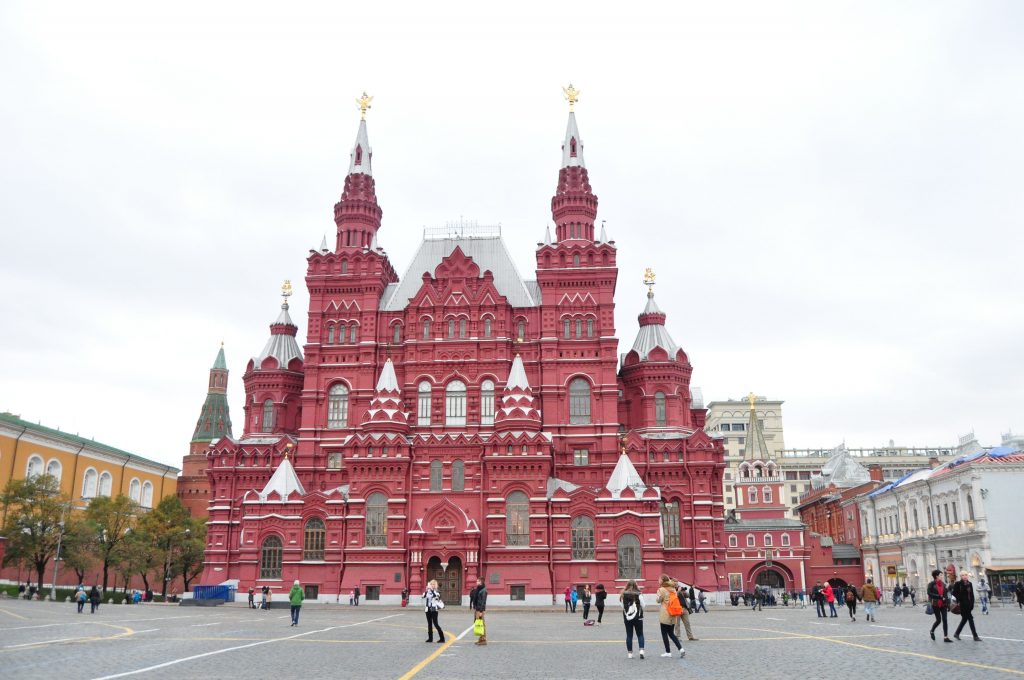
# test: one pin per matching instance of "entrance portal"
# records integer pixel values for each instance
(449, 581)
(771, 578)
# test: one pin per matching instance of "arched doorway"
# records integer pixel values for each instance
(837, 583)
(771, 578)
(449, 581)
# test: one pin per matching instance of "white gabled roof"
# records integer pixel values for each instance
(625, 476)
(284, 481)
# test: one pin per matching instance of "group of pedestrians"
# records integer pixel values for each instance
(955, 598)
(93, 597)
(433, 603)
(597, 597)
(822, 595)
(671, 611)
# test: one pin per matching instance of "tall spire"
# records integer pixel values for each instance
(214, 419)
(357, 214)
(652, 331)
(755, 447)
(574, 205)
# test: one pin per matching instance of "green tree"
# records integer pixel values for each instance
(78, 548)
(168, 526)
(190, 559)
(135, 555)
(111, 520)
(35, 521)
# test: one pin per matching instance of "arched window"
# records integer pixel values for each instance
(970, 508)
(579, 328)
(733, 541)
(659, 409)
(330, 334)
(487, 327)
(398, 333)
(567, 328)
(455, 404)
(34, 467)
(590, 328)
(342, 333)
(517, 519)
(337, 407)
(487, 402)
(752, 494)
(628, 556)
(750, 540)
(582, 538)
(521, 331)
(768, 539)
(54, 469)
(270, 558)
(106, 484)
(423, 405)
(135, 490)
(353, 333)
(147, 494)
(784, 539)
(579, 402)
(313, 539)
(426, 329)
(458, 475)
(670, 523)
(451, 328)
(268, 416)
(344, 266)
(462, 328)
(436, 475)
(376, 520)
(766, 494)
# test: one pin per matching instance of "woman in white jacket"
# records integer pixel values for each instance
(432, 605)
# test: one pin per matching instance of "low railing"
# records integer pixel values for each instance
(226, 593)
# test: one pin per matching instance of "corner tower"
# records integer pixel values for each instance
(357, 214)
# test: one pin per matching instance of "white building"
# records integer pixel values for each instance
(959, 515)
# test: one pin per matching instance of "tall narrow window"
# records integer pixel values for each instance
(147, 494)
(270, 558)
(582, 538)
(956, 519)
(785, 539)
(106, 484)
(517, 519)
(376, 520)
(750, 541)
(487, 327)
(462, 328)
(752, 494)
(342, 333)
(426, 329)
(766, 494)
(268, 416)
(590, 328)
(436, 478)
(521, 331)
(458, 475)
(313, 539)
(768, 539)
(34, 467)
(353, 333)
(970, 508)
(89, 483)
(628, 550)
(579, 328)
(135, 490)
(53, 468)
(344, 266)
(397, 334)
(579, 402)
(567, 328)
(670, 523)
(337, 407)
(423, 408)
(917, 524)
(487, 402)
(659, 409)
(451, 328)
(330, 334)
(733, 541)
(575, 260)
(455, 404)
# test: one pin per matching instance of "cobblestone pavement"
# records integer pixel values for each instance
(48, 640)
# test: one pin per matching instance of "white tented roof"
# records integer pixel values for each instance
(284, 481)
(625, 476)
(387, 382)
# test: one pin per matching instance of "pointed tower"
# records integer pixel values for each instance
(574, 205)
(518, 410)
(284, 482)
(357, 214)
(759, 481)
(386, 413)
(273, 379)
(214, 419)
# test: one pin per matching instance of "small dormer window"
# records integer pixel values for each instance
(572, 146)
(359, 154)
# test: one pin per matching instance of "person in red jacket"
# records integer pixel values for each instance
(830, 597)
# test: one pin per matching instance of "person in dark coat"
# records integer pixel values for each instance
(633, 617)
(963, 591)
(599, 597)
(480, 608)
(356, 593)
(1019, 590)
(938, 598)
(94, 599)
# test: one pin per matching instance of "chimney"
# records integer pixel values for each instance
(875, 470)
(933, 462)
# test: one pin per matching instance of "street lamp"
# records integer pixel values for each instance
(56, 560)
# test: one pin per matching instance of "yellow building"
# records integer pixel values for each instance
(85, 468)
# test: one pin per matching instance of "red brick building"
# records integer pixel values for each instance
(462, 422)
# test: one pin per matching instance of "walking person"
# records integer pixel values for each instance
(938, 598)
(599, 598)
(264, 597)
(94, 599)
(870, 594)
(904, 594)
(633, 617)
(252, 598)
(897, 593)
(574, 597)
(1019, 591)
(295, 598)
(433, 604)
(818, 597)
(356, 594)
(568, 599)
(830, 598)
(587, 598)
(963, 591)
(683, 621)
(913, 596)
(701, 603)
(851, 601)
(693, 600)
(671, 610)
(80, 598)
(983, 594)
(480, 609)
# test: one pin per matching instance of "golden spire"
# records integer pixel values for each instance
(363, 103)
(751, 398)
(286, 289)
(649, 281)
(572, 95)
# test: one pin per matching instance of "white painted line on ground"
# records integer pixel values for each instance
(875, 625)
(773, 619)
(816, 623)
(46, 625)
(465, 632)
(151, 630)
(200, 625)
(161, 618)
(989, 637)
(234, 649)
(47, 642)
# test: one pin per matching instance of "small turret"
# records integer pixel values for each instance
(517, 411)
(386, 412)
(357, 214)
(574, 205)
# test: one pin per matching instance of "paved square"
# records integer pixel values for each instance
(48, 640)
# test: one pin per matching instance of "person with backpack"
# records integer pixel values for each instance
(851, 601)
(599, 598)
(633, 617)
(80, 598)
(94, 599)
(671, 610)
(684, 619)
(871, 595)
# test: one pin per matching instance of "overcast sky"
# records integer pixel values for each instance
(830, 193)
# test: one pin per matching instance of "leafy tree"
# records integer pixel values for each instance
(111, 520)
(169, 527)
(77, 549)
(190, 559)
(35, 521)
(135, 555)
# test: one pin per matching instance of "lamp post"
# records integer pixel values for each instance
(56, 561)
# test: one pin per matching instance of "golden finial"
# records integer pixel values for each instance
(622, 443)
(287, 450)
(649, 281)
(286, 289)
(363, 103)
(572, 95)
(751, 398)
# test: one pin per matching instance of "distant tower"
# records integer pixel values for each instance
(758, 486)
(214, 423)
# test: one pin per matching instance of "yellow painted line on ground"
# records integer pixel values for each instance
(17, 616)
(452, 639)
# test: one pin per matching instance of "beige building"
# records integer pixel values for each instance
(729, 420)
